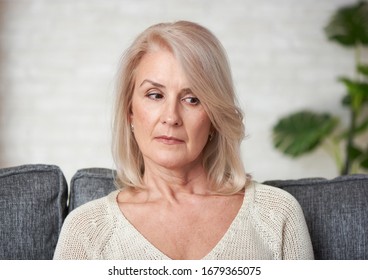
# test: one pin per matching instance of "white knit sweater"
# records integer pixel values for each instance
(269, 225)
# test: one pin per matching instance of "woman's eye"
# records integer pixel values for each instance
(155, 96)
(192, 100)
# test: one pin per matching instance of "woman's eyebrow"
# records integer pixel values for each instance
(187, 91)
(155, 84)
(152, 83)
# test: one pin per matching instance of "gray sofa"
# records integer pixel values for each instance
(34, 201)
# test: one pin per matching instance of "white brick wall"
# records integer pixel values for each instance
(58, 60)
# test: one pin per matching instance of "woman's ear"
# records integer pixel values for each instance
(212, 133)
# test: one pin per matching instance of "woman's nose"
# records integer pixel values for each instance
(170, 113)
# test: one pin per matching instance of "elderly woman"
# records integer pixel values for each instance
(182, 189)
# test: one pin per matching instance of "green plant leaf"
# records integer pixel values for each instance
(354, 153)
(358, 93)
(346, 100)
(362, 127)
(364, 161)
(302, 132)
(363, 69)
(355, 87)
(349, 25)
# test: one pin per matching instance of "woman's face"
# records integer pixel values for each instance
(170, 124)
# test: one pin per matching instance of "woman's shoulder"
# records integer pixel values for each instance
(269, 199)
(280, 221)
(95, 213)
(87, 229)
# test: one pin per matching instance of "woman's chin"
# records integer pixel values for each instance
(175, 163)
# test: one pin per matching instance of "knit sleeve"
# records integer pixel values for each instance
(297, 244)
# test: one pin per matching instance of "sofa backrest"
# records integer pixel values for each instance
(89, 184)
(336, 212)
(33, 205)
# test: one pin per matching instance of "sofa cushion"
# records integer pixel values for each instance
(89, 184)
(336, 212)
(33, 205)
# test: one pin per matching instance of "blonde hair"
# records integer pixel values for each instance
(206, 66)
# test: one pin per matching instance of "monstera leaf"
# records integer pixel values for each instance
(301, 132)
(349, 25)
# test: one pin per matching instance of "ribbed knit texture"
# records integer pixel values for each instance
(269, 225)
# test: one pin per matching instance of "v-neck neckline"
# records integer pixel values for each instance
(216, 248)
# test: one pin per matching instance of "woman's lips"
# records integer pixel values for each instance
(168, 140)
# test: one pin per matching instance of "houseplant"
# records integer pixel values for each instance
(304, 131)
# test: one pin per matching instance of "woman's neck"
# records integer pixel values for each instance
(163, 183)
